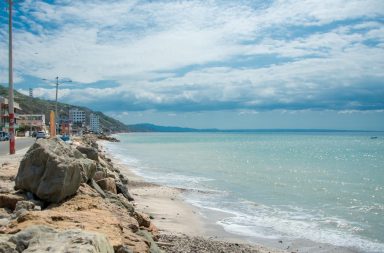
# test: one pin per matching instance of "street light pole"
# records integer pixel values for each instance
(11, 112)
(57, 82)
(57, 91)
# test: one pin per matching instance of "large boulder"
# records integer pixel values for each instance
(53, 170)
(45, 239)
(90, 152)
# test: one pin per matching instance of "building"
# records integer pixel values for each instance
(94, 123)
(4, 116)
(76, 116)
(34, 122)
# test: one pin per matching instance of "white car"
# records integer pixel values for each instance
(41, 134)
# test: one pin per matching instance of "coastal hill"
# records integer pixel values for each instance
(30, 105)
(147, 127)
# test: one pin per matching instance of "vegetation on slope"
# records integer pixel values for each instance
(40, 106)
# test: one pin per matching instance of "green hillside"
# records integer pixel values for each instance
(40, 106)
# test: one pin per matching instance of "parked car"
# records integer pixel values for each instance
(4, 136)
(41, 134)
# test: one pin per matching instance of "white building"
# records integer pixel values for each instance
(76, 116)
(94, 123)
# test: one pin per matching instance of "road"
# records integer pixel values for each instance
(21, 143)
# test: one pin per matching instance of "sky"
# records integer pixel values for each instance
(205, 64)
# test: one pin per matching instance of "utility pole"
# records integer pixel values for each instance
(56, 116)
(57, 82)
(11, 111)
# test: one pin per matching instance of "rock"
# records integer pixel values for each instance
(27, 205)
(104, 166)
(53, 170)
(95, 146)
(119, 200)
(154, 230)
(97, 188)
(123, 179)
(22, 215)
(123, 249)
(107, 138)
(45, 239)
(111, 174)
(153, 246)
(90, 152)
(99, 175)
(142, 219)
(87, 169)
(6, 246)
(121, 188)
(107, 184)
(4, 213)
(4, 222)
(9, 200)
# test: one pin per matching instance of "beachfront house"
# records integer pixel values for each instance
(94, 123)
(4, 116)
(32, 122)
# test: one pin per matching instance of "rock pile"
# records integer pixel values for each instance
(107, 138)
(79, 201)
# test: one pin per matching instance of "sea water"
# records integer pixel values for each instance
(325, 187)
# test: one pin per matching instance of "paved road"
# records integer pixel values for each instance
(21, 143)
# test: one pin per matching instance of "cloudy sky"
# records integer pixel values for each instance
(212, 63)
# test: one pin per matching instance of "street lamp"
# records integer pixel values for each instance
(57, 82)
(11, 111)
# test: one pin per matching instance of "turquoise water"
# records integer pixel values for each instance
(324, 187)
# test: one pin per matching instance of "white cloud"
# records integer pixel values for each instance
(142, 45)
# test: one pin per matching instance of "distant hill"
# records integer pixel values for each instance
(40, 106)
(146, 127)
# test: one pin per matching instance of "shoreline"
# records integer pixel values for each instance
(176, 219)
(204, 225)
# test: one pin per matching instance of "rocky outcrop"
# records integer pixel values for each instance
(53, 170)
(45, 239)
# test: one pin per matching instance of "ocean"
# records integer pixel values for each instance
(324, 187)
